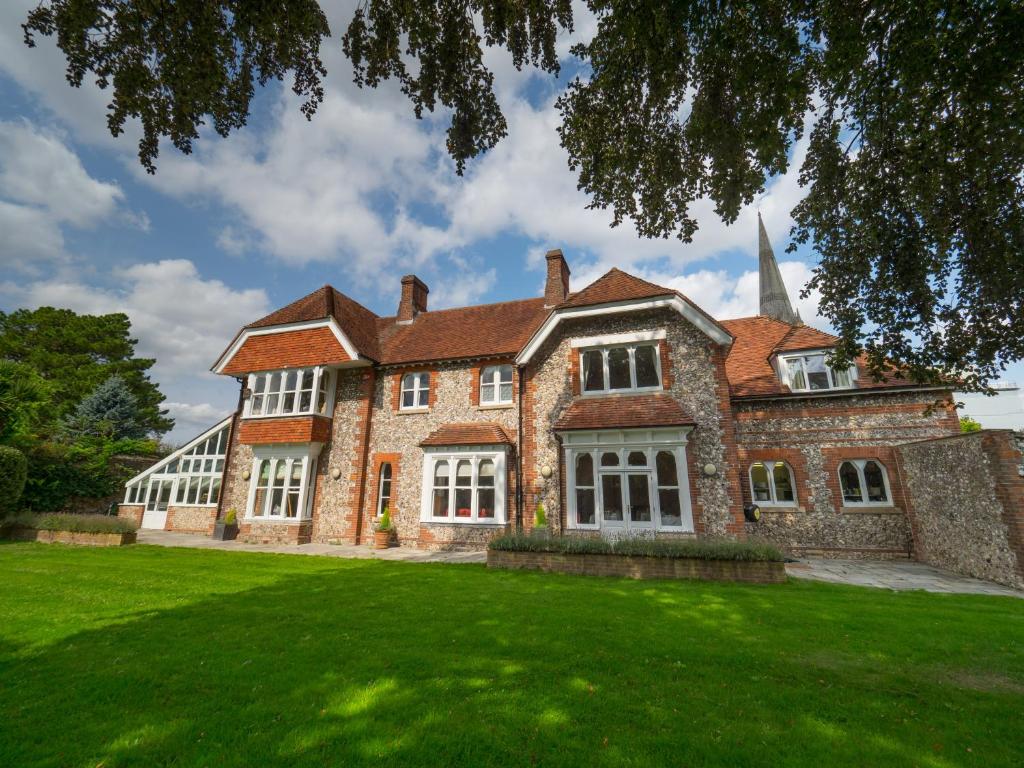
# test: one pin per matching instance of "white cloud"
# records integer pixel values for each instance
(30, 237)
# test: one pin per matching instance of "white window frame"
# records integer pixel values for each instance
(380, 485)
(605, 351)
(859, 464)
(288, 453)
(171, 469)
(784, 369)
(623, 442)
(495, 383)
(769, 464)
(323, 384)
(475, 455)
(417, 388)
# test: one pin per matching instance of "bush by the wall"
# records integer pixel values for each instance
(13, 471)
(74, 523)
(697, 549)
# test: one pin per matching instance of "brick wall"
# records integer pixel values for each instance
(966, 497)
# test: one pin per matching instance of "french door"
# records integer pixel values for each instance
(626, 501)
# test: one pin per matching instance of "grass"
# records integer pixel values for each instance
(74, 523)
(143, 656)
(696, 549)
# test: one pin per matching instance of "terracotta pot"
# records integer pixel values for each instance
(381, 539)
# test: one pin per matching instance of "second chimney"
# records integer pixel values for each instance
(556, 289)
(414, 298)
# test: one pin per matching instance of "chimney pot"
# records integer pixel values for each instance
(556, 289)
(414, 298)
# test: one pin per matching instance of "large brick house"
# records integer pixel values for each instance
(623, 407)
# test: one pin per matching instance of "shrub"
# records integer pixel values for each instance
(540, 518)
(75, 523)
(697, 549)
(384, 524)
(231, 517)
(13, 471)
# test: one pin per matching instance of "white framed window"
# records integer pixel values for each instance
(415, 391)
(189, 477)
(623, 481)
(386, 474)
(864, 482)
(809, 372)
(464, 485)
(623, 368)
(496, 385)
(280, 484)
(771, 482)
(292, 392)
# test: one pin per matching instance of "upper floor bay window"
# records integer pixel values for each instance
(464, 487)
(415, 391)
(864, 481)
(810, 372)
(626, 368)
(496, 385)
(771, 482)
(294, 392)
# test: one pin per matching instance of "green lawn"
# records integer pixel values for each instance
(147, 656)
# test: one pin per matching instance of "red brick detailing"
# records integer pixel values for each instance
(530, 481)
(287, 349)
(1006, 462)
(623, 412)
(131, 512)
(732, 462)
(574, 371)
(414, 298)
(298, 429)
(667, 377)
(379, 459)
(793, 457)
(396, 386)
(474, 384)
(361, 450)
(884, 454)
(556, 288)
(474, 433)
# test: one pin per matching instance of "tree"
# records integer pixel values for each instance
(111, 411)
(76, 353)
(24, 396)
(967, 424)
(914, 114)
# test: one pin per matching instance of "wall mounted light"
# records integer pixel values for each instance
(246, 474)
(545, 471)
(335, 473)
(710, 469)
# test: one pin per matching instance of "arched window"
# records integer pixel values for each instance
(668, 488)
(864, 481)
(440, 501)
(496, 385)
(485, 489)
(771, 482)
(384, 488)
(585, 503)
(415, 391)
(464, 489)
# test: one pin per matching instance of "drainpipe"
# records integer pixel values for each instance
(519, 456)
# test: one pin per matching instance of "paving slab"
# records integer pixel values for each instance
(895, 575)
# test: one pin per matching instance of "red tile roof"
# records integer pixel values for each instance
(623, 411)
(476, 433)
(288, 349)
(804, 337)
(615, 285)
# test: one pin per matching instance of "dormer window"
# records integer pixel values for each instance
(293, 392)
(810, 373)
(626, 368)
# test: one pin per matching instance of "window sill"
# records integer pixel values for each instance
(870, 509)
(253, 417)
(779, 508)
(278, 520)
(495, 406)
(410, 411)
(473, 523)
(612, 392)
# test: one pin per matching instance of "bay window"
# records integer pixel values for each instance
(626, 368)
(463, 485)
(810, 373)
(281, 482)
(496, 385)
(292, 392)
(864, 482)
(771, 482)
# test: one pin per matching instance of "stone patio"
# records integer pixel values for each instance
(895, 575)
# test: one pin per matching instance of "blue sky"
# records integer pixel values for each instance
(358, 197)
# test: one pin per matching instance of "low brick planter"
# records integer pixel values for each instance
(754, 572)
(70, 537)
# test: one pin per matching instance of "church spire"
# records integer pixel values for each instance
(774, 299)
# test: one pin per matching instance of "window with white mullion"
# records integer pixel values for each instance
(415, 391)
(496, 385)
(811, 372)
(291, 392)
(622, 368)
(464, 488)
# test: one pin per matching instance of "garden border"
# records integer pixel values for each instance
(69, 537)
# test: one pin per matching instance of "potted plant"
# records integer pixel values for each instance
(226, 529)
(382, 533)
(540, 522)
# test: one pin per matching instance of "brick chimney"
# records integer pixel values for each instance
(414, 298)
(556, 289)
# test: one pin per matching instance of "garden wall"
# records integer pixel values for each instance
(966, 497)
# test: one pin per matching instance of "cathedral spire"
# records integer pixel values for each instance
(774, 299)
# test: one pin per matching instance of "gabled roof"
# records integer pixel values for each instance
(622, 412)
(615, 285)
(476, 433)
(804, 337)
(486, 330)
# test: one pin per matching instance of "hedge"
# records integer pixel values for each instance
(696, 549)
(13, 472)
(74, 523)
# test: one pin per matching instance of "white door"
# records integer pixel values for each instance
(626, 502)
(157, 499)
